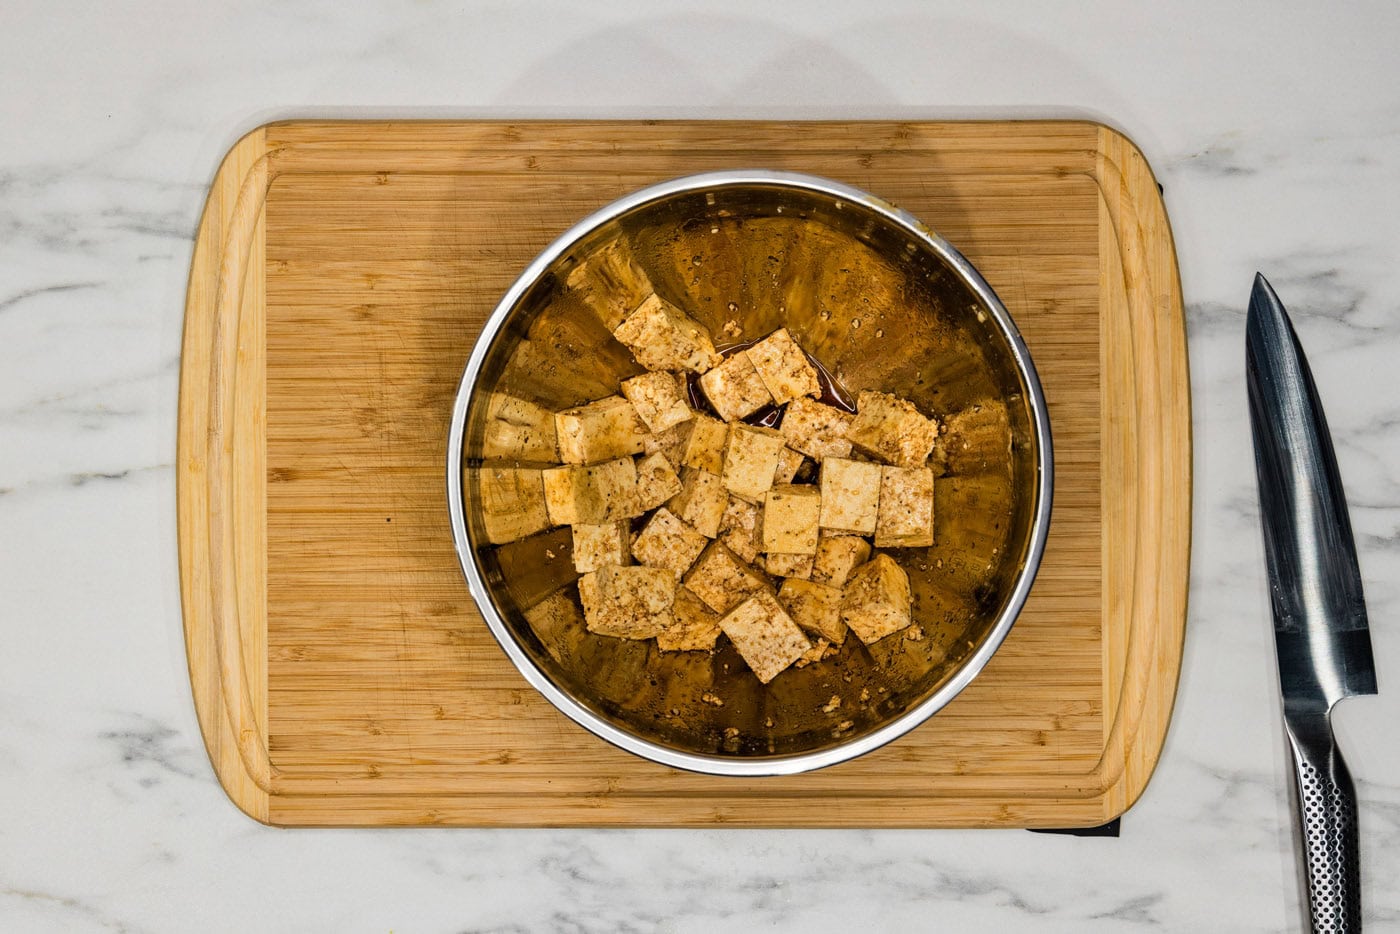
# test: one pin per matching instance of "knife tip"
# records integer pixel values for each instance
(1263, 290)
(1264, 303)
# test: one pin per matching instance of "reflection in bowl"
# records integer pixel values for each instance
(879, 303)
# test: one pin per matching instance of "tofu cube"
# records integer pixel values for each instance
(791, 520)
(570, 498)
(598, 546)
(815, 607)
(609, 422)
(610, 282)
(517, 429)
(875, 601)
(704, 446)
(740, 528)
(668, 542)
(659, 398)
(701, 501)
(694, 626)
(906, 508)
(976, 439)
(734, 388)
(615, 484)
(513, 503)
(631, 602)
(816, 429)
(656, 481)
(600, 431)
(788, 463)
(765, 635)
(592, 495)
(720, 579)
(662, 337)
(783, 367)
(751, 460)
(780, 565)
(670, 443)
(892, 430)
(850, 495)
(837, 556)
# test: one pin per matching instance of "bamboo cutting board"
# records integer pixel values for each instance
(341, 673)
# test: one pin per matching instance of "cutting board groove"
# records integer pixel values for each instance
(341, 674)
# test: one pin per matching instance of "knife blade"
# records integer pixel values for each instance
(1321, 633)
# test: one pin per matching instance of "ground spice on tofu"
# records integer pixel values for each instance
(729, 532)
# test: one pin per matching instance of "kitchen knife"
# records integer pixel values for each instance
(1321, 634)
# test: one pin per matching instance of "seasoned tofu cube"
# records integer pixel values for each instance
(837, 556)
(875, 600)
(975, 439)
(659, 398)
(570, 498)
(765, 635)
(600, 431)
(610, 282)
(720, 579)
(597, 546)
(631, 602)
(656, 481)
(694, 626)
(816, 429)
(701, 501)
(892, 430)
(615, 483)
(512, 500)
(850, 495)
(751, 460)
(671, 444)
(906, 508)
(517, 429)
(662, 337)
(740, 528)
(788, 463)
(783, 367)
(734, 388)
(704, 446)
(781, 565)
(592, 495)
(815, 607)
(791, 520)
(668, 542)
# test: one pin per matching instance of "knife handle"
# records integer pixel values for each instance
(1327, 813)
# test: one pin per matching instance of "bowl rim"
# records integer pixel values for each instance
(790, 763)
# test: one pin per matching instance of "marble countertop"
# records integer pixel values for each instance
(1276, 134)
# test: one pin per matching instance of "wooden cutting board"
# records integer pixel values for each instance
(341, 673)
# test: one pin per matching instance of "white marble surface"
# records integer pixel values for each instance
(1276, 133)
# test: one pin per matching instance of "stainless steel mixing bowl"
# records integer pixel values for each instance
(883, 303)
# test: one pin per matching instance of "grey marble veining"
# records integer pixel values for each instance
(1276, 135)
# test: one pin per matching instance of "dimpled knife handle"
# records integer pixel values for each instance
(1327, 808)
